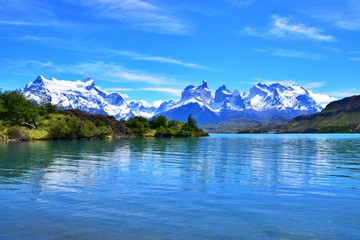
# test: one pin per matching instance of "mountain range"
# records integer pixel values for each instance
(263, 101)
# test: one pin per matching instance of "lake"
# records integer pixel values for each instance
(219, 187)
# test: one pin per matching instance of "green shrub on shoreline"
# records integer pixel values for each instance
(22, 120)
(160, 126)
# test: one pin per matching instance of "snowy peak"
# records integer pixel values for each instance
(39, 80)
(228, 99)
(204, 84)
(143, 108)
(200, 94)
(281, 98)
(87, 79)
(89, 82)
(222, 93)
(263, 101)
(81, 94)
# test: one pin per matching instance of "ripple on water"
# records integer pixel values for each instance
(221, 187)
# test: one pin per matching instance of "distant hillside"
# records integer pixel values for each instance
(342, 116)
(237, 125)
(338, 116)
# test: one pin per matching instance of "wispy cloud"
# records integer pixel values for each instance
(345, 93)
(21, 23)
(240, 3)
(82, 46)
(343, 14)
(105, 71)
(289, 53)
(354, 56)
(321, 99)
(26, 9)
(138, 14)
(143, 57)
(314, 85)
(355, 59)
(270, 81)
(50, 23)
(285, 28)
(173, 91)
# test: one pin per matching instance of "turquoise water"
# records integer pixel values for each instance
(220, 187)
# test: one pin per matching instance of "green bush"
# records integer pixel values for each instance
(59, 130)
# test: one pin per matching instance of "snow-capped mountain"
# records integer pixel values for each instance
(83, 95)
(280, 100)
(143, 108)
(195, 101)
(263, 101)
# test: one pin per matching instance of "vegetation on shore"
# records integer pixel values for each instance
(23, 119)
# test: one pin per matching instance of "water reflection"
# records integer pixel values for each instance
(190, 164)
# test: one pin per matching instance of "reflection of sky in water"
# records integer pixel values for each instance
(180, 181)
(193, 163)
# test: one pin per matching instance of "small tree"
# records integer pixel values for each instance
(159, 121)
(17, 108)
(192, 122)
(138, 125)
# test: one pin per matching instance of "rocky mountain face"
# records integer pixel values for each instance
(263, 101)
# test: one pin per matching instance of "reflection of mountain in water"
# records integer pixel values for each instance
(190, 164)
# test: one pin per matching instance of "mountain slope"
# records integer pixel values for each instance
(338, 116)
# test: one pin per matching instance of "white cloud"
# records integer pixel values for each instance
(343, 14)
(173, 91)
(321, 99)
(283, 28)
(29, 13)
(24, 9)
(49, 23)
(355, 59)
(269, 81)
(143, 57)
(21, 23)
(81, 46)
(313, 85)
(138, 14)
(110, 72)
(345, 93)
(290, 53)
(240, 3)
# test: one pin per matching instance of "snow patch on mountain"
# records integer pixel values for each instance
(82, 94)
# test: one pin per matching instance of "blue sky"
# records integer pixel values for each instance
(152, 49)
